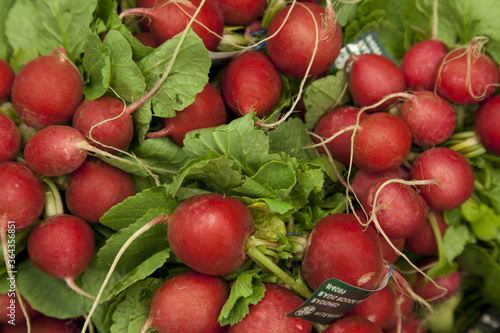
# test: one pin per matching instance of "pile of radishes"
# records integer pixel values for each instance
(152, 181)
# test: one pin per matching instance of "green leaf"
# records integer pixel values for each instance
(290, 137)
(21, 25)
(188, 76)
(133, 208)
(126, 78)
(48, 295)
(5, 48)
(323, 95)
(455, 239)
(97, 67)
(247, 289)
(266, 222)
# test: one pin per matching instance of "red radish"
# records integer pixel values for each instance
(54, 325)
(251, 83)
(146, 39)
(96, 186)
(404, 303)
(241, 12)
(189, 303)
(352, 324)
(7, 76)
(434, 294)
(381, 142)
(466, 75)
(431, 119)
(333, 122)
(47, 90)
(145, 21)
(411, 324)
(291, 49)
(486, 124)
(388, 253)
(423, 242)
(269, 314)
(398, 208)
(377, 307)
(209, 233)
(332, 244)
(419, 63)
(207, 110)
(10, 139)
(10, 311)
(363, 179)
(62, 246)
(22, 196)
(170, 17)
(372, 78)
(451, 171)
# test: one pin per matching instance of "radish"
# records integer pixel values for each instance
(419, 63)
(466, 75)
(363, 179)
(430, 118)
(209, 233)
(373, 77)
(451, 171)
(411, 324)
(54, 325)
(377, 307)
(251, 83)
(10, 311)
(10, 139)
(189, 302)
(146, 39)
(47, 90)
(332, 244)
(207, 110)
(170, 17)
(423, 242)
(331, 124)
(62, 246)
(486, 124)
(404, 303)
(398, 208)
(293, 34)
(388, 253)
(96, 186)
(7, 76)
(352, 324)
(269, 314)
(381, 142)
(241, 12)
(434, 292)
(145, 21)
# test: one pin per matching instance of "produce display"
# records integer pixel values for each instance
(249, 166)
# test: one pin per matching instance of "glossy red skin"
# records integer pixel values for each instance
(207, 110)
(55, 151)
(209, 233)
(331, 123)
(249, 83)
(7, 314)
(269, 314)
(167, 20)
(412, 324)
(10, 139)
(400, 210)
(423, 242)
(353, 324)
(377, 308)
(431, 119)
(388, 252)
(433, 294)
(451, 77)
(117, 133)
(487, 123)
(54, 325)
(7, 76)
(292, 48)
(144, 21)
(189, 303)
(363, 179)
(93, 188)
(330, 251)
(419, 63)
(403, 308)
(373, 77)
(241, 12)
(47, 91)
(453, 173)
(381, 143)
(22, 196)
(61, 246)
(146, 38)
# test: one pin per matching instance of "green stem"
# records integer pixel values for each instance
(262, 260)
(53, 201)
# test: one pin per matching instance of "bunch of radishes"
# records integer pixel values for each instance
(239, 255)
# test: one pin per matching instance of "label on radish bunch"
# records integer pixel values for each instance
(332, 300)
(369, 42)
